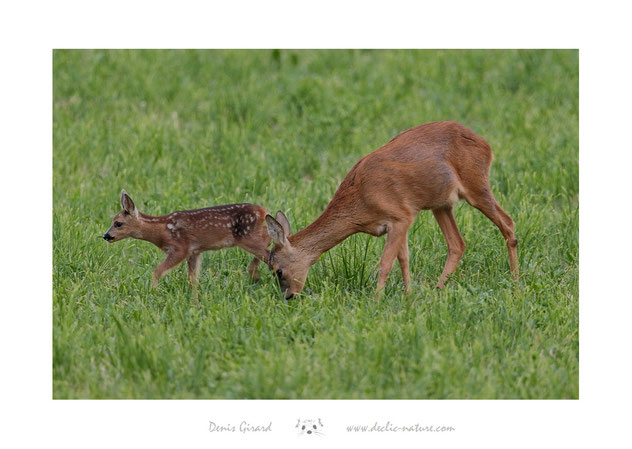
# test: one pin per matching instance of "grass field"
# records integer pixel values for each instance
(189, 129)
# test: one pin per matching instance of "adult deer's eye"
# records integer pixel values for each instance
(314, 426)
(279, 273)
(303, 426)
(118, 224)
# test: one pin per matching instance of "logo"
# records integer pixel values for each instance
(310, 427)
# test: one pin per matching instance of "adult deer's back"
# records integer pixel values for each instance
(428, 167)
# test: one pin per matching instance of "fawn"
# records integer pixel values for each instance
(186, 234)
(430, 166)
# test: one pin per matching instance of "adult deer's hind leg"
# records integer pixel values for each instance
(486, 203)
(456, 245)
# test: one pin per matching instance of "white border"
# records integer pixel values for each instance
(31, 31)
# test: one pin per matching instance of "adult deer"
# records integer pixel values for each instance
(430, 166)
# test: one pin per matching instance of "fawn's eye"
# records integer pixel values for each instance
(279, 273)
(118, 224)
(303, 426)
(314, 426)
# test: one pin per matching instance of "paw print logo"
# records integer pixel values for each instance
(310, 427)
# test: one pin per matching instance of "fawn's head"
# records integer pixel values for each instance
(125, 223)
(289, 264)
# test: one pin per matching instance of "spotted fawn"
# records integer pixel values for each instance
(184, 235)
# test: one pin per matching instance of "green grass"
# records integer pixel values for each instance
(188, 129)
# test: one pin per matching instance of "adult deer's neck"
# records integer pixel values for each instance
(332, 226)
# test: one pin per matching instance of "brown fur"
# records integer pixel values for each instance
(428, 167)
(184, 235)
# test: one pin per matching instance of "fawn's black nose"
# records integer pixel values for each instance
(108, 237)
(290, 297)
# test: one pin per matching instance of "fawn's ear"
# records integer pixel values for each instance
(276, 231)
(127, 204)
(284, 222)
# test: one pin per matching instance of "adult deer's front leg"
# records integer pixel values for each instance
(396, 237)
(173, 259)
(402, 258)
(456, 245)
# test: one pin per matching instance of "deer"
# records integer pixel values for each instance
(428, 167)
(184, 235)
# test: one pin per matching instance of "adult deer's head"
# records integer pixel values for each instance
(288, 263)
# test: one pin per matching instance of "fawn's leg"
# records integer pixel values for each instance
(486, 203)
(252, 269)
(194, 270)
(402, 258)
(456, 245)
(258, 247)
(396, 237)
(173, 259)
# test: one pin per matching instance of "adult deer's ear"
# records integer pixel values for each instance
(127, 204)
(284, 222)
(277, 234)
